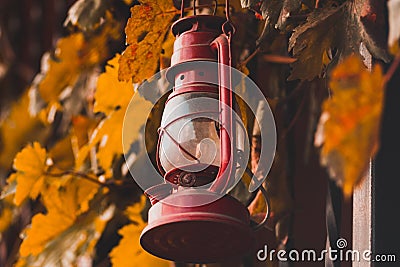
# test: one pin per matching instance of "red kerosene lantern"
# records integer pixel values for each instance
(192, 219)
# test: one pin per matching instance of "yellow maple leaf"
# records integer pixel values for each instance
(349, 125)
(63, 205)
(6, 214)
(72, 244)
(61, 154)
(64, 69)
(145, 33)
(18, 129)
(59, 72)
(43, 229)
(5, 219)
(110, 92)
(85, 191)
(47, 114)
(113, 98)
(109, 133)
(134, 119)
(72, 198)
(96, 49)
(30, 165)
(31, 160)
(258, 205)
(130, 245)
(82, 128)
(73, 54)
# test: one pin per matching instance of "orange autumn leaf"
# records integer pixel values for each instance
(348, 129)
(145, 32)
(130, 245)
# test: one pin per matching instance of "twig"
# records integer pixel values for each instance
(392, 69)
(296, 116)
(78, 174)
(250, 57)
(279, 59)
(291, 95)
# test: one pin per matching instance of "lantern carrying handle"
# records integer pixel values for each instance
(267, 213)
(266, 199)
(227, 133)
(226, 98)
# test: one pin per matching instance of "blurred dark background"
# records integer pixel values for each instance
(28, 28)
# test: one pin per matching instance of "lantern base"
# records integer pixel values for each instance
(213, 232)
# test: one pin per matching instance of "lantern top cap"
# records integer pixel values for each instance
(204, 23)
